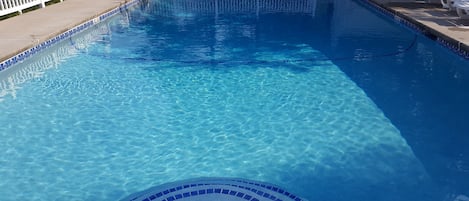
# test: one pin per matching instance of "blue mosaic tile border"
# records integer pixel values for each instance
(67, 34)
(272, 188)
(394, 15)
(457, 47)
(204, 192)
(453, 45)
(161, 195)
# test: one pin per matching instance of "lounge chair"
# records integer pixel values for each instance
(462, 8)
(449, 4)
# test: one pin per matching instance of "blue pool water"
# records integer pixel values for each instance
(329, 100)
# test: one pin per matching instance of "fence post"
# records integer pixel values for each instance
(216, 8)
(43, 4)
(257, 8)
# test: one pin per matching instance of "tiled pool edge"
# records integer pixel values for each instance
(453, 45)
(30, 51)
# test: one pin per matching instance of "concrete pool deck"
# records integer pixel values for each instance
(25, 31)
(435, 21)
(22, 32)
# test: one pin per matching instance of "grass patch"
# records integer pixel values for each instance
(52, 2)
(31, 9)
(9, 15)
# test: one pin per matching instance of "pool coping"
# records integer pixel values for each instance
(445, 40)
(452, 44)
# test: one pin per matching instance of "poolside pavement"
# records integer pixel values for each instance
(22, 32)
(434, 20)
(27, 30)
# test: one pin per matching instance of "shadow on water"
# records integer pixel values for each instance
(423, 93)
(328, 185)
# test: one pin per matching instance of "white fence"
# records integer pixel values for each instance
(12, 6)
(237, 6)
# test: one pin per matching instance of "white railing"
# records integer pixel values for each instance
(12, 6)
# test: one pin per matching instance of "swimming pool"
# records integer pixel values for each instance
(328, 99)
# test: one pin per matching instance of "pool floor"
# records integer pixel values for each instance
(138, 101)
